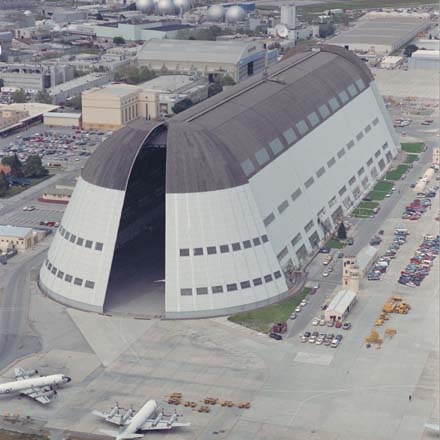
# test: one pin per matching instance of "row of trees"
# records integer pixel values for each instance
(134, 75)
(31, 168)
(21, 96)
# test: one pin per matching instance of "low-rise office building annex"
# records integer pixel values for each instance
(202, 214)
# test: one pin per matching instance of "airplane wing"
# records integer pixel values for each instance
(38, 394)
(148, 425)
(20, 374)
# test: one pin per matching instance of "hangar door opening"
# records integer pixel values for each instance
(137, 279)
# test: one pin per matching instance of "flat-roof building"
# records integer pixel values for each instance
(202, 214)
(381, 34)
(340, 306)
(238, 59)
(15, 237)
(425, 60)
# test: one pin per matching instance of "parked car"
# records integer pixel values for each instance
(315, 321)
(346, 326)
(298, 309)
(350, 241)
(275, 336)
(338, 324)
(341, 255)
(293, 316)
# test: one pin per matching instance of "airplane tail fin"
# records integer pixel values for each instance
(120, 436)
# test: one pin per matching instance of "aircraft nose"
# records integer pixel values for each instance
(67, 379)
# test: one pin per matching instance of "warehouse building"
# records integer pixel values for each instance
(202, 214)
(238, 59)
(425, 60)
(381, 34)
(340, 306)
(13, 237)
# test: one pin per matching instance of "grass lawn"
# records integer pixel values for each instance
(397, 172)
(380, 190)
(335, 243)
(13, 190)
(262, 319)
(413, 147)
(362, 213)
(368, 205)
(410, 158)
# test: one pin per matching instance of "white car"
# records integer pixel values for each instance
(303, 303)
(325, 274)
(312, 339)
(293, 316)
(315, 321)
(298, 309)
(321, 322)
(319, 341)
(334, 343)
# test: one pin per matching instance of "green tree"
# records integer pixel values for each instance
(326, 29)
(75, 102)
(182, 105)
(118, 40)
(214, 88)
(14, 163)
(226, 80)
(19, 96)
(342, 233)
(409, 50)
(43, 97)
(33, 167)
(145, 74)
(4, 184)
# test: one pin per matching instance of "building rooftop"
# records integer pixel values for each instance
(431, 54)
(62, 115)
(118, 90)
(341, 301)
(197, 51)
(14, 231)
(68, 85)
(168, 83)
(379, 31)
(59, 191)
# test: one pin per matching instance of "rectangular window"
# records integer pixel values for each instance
(269, 219)
(385, 146)
(257, 281)
(78, 281)
(67, 236)
(359, 136)
(224, 248)
(90, 284)
(352, 90)
(184, 252)
(370, 161)
(89, 244)
(276, 146)
(332, 201)
(231, 287)
(198, 251)
(248, 167)
(360, 84)
(308, 226)
(99, 246)
(68, 278)
(283, 206)
(295, 240)
(331, 162)
(236, 246)
(80, 241)
(342, 190)
(262, 156)
(284, 252)
(352, 180)
(302, 127)
(367, 128)
(296, 194)
(217, 289)
(343, 96)
(54, 270)
(324, 111)
(201, 291)
(377, 154)
(314, 239)
(49, 266)
(268, 278)
(247, 244)
(361, 171)
(320, 172)
(381, 164)
(60, 274)
(375, 121)
(245, 284)
(211, 250)
(341, 152)
(62, 231)
(72, 238)
(277, 274)
(334, 104)
(186, 292)
(290, 136)
(309, 182)
(313, 119)
(256, 241)
(350, 145)
(264, 238)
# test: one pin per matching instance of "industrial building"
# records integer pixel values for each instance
(381, 34)
(54, 119)
(5, 45)
(13, 237)
(425, 60)
(113, 106)
(201, 214)
(238, 59)
(340, 306)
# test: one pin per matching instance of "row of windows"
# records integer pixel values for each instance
(232, 287)
(275, 147)
(89, 244)
(225, 248)
(67, 277)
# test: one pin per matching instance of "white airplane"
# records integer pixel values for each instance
(130, 422)
(41, 388)
(432, 427)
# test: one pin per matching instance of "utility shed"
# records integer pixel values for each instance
(340, 305)
(15, 237)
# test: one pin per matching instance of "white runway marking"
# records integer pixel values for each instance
(312, 358)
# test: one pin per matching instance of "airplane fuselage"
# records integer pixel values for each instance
(37, 382)
(141, 417)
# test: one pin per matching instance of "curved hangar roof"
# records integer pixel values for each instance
(223, 141)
